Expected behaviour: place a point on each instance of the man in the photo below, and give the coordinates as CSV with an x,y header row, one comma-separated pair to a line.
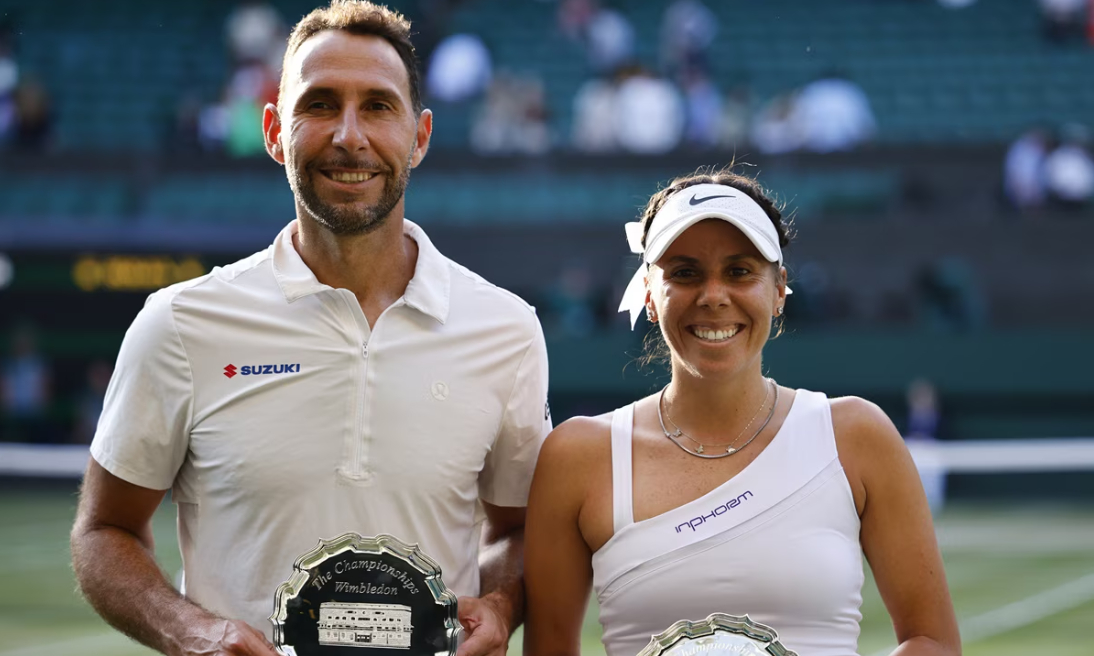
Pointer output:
x,y
349,378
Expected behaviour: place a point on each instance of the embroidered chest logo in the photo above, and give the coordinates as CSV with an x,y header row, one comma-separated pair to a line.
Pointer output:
x,y
439,390
714,514
261,369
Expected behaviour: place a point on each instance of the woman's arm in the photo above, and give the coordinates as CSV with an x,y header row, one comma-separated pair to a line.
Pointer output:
x,y
557,560
897,534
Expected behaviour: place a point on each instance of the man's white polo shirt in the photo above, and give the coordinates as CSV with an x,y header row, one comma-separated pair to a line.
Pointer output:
x,y
278,417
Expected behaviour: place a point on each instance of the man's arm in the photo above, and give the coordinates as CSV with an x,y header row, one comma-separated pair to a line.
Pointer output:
x,y
489,619
113,557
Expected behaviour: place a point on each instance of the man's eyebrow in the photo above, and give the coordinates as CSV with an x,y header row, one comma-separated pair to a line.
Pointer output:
x,y
371,94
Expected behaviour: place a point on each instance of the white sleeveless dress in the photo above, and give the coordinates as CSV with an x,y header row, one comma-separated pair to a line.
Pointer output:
x,y
778,542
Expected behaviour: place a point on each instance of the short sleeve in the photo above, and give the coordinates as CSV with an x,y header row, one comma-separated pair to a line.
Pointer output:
x,y
143,432
507,474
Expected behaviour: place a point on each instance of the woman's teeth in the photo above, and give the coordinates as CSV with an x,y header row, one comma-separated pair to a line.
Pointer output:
x,y
715,335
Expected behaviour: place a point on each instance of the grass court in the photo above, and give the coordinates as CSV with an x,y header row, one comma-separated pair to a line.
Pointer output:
x,y
1022,581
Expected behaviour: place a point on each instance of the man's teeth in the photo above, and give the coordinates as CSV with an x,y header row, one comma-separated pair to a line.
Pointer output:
x,y
715,335
350,176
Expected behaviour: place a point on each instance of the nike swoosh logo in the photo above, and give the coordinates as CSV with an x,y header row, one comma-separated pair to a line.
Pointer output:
x,y
695,200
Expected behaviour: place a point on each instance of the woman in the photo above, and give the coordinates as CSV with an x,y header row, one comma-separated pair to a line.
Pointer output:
x,y
725,492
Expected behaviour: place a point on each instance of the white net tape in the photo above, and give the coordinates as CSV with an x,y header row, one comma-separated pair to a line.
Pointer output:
x,y
984,456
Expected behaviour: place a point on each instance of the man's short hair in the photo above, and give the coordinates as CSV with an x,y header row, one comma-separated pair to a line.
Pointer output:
x,y
362,18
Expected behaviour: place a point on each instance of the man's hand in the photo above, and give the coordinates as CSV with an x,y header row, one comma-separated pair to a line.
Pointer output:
x,y
486,627
226,638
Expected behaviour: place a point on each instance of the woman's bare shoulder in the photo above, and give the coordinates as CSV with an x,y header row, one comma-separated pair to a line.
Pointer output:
x,y
579,437
863,425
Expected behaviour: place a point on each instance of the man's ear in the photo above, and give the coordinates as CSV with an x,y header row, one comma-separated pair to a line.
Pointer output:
x,y
271,132
421,139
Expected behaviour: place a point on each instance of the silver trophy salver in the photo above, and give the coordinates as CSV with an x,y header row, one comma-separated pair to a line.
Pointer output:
x,y
717,635
354,593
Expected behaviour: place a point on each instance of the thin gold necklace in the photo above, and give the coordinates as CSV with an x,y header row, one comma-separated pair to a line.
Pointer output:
x,y
701,447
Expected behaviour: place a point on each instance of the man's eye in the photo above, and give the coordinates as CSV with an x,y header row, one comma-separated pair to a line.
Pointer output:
x,y
379,107
319,104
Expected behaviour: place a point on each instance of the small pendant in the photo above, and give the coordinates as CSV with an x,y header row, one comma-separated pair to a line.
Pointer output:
x,y
700,449
730,450
678,433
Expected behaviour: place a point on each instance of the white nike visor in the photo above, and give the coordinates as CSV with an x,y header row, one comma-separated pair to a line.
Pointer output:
x,y
693,204
684,209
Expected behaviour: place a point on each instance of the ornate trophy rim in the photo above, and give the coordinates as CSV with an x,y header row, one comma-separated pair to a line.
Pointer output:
x,y
378,545
737,624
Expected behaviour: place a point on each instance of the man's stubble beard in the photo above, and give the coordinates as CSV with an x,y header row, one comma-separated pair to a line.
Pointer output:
x,y
346,219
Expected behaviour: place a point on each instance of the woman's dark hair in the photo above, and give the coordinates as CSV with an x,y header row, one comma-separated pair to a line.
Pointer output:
x,y
654,347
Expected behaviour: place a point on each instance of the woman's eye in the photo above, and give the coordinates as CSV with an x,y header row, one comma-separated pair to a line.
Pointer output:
x,y
683,273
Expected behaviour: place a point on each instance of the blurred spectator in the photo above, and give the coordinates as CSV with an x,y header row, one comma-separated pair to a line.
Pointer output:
x,y
687,31
256,35
9,80
735,126
235,124
609,40
1069,170
1064,19
33,116
832,113
594,116
250,88
949,296
460,69
703,107
1090,22
513,119
924,418
25,389
774,130
649,114
1024,170
89,405
574,17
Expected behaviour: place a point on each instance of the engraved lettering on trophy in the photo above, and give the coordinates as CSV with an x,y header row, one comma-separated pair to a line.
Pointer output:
x,y
365,588
356,591
343,624
724,508
747,648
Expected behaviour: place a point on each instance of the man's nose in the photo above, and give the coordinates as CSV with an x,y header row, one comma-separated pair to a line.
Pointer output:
x,y
350,134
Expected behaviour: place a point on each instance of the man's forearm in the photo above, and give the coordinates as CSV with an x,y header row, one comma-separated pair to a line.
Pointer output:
x,y
120,578
501,570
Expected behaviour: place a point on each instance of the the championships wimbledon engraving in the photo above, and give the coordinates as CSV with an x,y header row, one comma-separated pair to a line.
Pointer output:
x,y
353,592
719,634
